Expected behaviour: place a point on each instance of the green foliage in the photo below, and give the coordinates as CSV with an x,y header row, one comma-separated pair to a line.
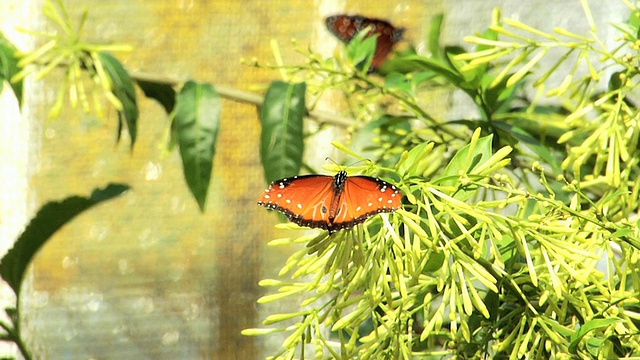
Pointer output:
x,y
80,60
195,128
519,235
9,66
281,116
196,124
161,92
123,89
361,49
49,219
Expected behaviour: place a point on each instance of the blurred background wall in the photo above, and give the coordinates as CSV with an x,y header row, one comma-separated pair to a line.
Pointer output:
x,y
147,276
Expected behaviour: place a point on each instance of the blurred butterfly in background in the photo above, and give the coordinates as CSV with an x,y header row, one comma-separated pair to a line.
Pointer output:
x,y
331,202
346,27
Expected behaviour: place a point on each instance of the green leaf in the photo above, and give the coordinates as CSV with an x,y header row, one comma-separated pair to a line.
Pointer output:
x,y
435,30
589,326
470,157
196,124
396,80
439,67
162,92
615,81
361,50
531,142
387,129
282,144
413,162
51,217
9,66
435,262
122,87
634,22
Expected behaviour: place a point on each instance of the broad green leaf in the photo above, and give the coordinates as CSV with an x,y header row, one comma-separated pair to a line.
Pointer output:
x,y
531,142
435,262
9,66
435,30
397,63
49,219
361,50
396,80
589,326
282,143
413,162
470,157
471,76
439,67
634,22
122,87
196,125
162,92
615,81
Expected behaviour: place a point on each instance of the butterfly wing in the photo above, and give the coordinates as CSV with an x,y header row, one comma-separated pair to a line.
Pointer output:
x,y
363,197
305,200
345,27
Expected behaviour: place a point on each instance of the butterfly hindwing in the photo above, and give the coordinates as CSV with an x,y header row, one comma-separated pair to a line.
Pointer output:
x,y
305,200
363,197
331,202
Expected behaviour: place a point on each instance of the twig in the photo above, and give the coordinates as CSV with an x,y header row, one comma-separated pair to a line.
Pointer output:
x,y
248,98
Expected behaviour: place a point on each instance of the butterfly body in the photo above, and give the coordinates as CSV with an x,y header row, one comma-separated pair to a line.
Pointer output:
x,y
346,27
331,202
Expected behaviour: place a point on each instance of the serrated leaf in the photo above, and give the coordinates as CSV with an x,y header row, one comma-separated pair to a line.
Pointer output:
x,y
161,92
282,144
122,87
51,217
196,124
9,66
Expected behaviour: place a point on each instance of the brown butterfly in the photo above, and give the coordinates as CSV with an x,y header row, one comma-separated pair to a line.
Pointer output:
x,y
346,27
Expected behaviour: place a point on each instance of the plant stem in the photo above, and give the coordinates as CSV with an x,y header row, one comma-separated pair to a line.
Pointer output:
x,y
15,334
247,97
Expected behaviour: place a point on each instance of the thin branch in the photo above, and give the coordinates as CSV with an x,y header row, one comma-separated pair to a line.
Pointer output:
x,y
247,97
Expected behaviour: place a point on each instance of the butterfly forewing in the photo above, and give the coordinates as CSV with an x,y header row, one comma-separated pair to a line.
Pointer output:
x,y
345,27
305,200
331,203
363,197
